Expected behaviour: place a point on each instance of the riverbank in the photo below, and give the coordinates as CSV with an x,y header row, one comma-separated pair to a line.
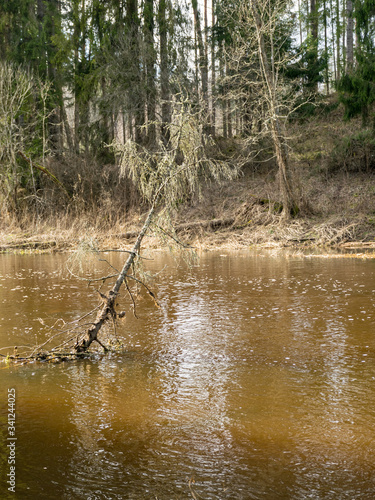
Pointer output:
x,y
338,212
333,168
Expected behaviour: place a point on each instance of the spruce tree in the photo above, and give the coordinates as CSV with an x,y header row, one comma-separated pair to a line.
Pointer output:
x,y
357,87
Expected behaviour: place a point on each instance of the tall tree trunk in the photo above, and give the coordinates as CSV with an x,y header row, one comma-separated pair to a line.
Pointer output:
x,y
349,36
344,36
84,98
123,123
300,22
314,34
338,42
196,61
229,110
223,93
213,72
136,92
164,73
68,131
64,116
357,38
130,125
76,41
314,20
48,18
333,43
205,32
225,117
40,15
326,45
202,54
106,136
206,62
150,57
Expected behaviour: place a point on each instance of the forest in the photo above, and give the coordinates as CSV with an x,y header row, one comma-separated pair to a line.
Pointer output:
x,y
100,99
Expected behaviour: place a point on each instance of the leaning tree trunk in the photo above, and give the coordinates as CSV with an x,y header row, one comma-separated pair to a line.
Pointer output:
x,y
107,310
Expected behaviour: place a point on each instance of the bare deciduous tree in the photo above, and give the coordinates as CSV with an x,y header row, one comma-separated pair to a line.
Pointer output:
x,y
257,59
20,120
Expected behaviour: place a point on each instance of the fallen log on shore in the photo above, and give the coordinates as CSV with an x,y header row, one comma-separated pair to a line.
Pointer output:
x,y
188,226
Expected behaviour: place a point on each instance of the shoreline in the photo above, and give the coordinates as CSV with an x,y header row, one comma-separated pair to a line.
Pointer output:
x,y
297,235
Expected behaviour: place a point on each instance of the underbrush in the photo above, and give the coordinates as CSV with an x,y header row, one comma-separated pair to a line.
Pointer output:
x,y
327,145
354,153
92,196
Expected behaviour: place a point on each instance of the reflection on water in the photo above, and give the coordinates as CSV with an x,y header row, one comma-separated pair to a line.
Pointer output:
x,y
255,380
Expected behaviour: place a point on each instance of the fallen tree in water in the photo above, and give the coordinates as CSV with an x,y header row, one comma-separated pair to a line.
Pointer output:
x,y
164,178
107,310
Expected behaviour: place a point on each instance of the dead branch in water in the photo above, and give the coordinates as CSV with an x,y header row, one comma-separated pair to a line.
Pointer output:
x,y
108,308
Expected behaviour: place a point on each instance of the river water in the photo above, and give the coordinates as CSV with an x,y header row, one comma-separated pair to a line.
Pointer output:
x,y
255,379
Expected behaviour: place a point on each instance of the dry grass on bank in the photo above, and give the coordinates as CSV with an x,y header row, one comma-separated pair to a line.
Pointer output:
x,y
344,212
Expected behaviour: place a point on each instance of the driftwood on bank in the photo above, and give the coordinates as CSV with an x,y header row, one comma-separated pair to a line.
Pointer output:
x,y
29,245
214,224
210,224
189,226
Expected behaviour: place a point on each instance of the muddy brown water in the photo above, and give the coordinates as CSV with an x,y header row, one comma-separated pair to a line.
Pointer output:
x,y
254,380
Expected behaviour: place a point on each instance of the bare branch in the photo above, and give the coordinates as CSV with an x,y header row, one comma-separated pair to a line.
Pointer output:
x,y
147,288
183,245
131,296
